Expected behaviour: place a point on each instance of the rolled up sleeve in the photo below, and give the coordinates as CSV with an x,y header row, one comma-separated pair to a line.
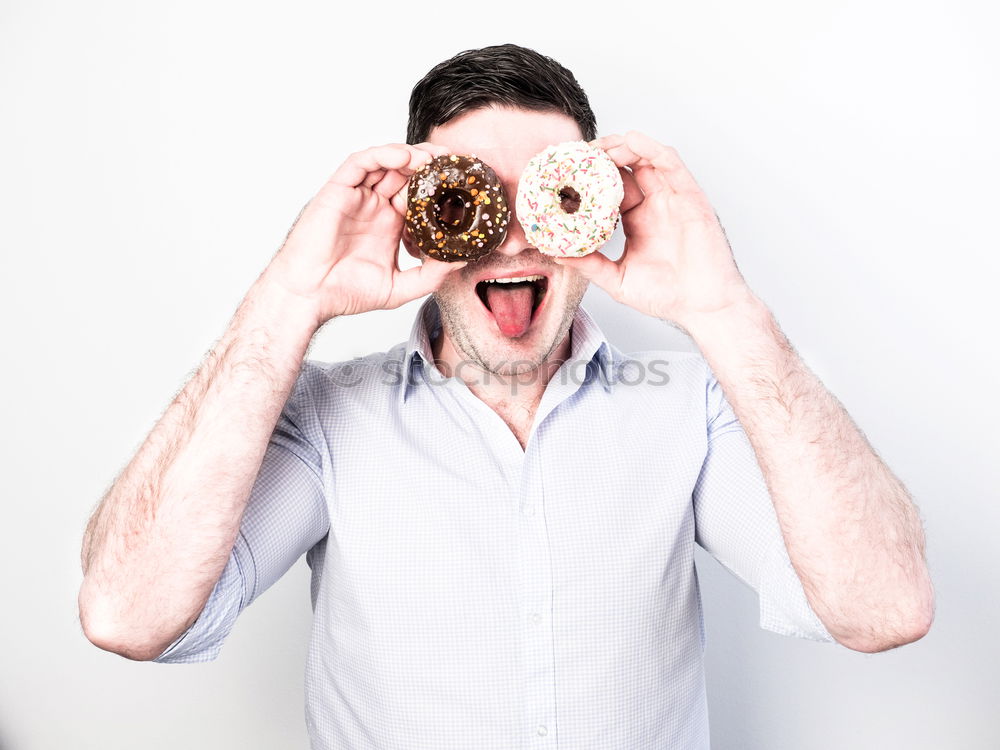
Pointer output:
x,y
286,515
736,523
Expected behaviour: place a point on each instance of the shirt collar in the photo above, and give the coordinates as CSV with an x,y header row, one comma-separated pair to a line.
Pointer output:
x,y
587,343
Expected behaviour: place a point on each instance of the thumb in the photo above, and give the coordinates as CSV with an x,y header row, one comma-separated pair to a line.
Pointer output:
x,y
598,268
416,282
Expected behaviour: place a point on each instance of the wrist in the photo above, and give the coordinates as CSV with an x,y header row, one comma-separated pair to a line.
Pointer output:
x,y
276,306
745,313
273,323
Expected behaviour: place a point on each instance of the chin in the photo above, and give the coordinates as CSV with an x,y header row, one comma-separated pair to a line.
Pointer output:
x,y
476,335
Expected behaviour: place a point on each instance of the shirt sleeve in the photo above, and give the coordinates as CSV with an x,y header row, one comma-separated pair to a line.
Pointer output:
x,y
735,522
285,516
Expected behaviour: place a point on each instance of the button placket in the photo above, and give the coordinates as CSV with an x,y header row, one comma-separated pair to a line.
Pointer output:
x,y
536,571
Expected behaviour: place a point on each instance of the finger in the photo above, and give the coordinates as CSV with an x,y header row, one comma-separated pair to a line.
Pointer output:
x,y
623,156
608,141
432,149
615,143
646,177
355,170
639,151
373,178
649,180
358,166
398,201
598,268
664,159
633,193
391,184
416,282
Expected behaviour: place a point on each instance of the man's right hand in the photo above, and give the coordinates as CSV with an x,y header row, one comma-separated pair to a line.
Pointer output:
x,y
162,535
342,253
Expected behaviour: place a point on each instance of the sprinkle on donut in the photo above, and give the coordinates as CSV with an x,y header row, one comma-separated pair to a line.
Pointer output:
x,y
456,208
568,199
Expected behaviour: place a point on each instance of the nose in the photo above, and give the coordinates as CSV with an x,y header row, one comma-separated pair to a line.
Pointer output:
x,y
515,242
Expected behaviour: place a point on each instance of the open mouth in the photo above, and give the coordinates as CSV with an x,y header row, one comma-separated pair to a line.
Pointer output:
x,y
513,302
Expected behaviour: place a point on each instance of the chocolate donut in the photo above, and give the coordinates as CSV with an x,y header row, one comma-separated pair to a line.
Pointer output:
x,y
456,209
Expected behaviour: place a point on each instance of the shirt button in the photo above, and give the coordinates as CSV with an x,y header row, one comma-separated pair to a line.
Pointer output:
x,y
536,618
542,731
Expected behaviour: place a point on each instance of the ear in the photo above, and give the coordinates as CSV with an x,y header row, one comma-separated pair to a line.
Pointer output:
x,y
408,243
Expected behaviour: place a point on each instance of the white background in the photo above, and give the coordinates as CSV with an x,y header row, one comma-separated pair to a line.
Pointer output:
x,y
153,157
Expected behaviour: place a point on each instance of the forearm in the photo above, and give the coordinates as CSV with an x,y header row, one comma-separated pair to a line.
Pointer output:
x,y
162,535
850,527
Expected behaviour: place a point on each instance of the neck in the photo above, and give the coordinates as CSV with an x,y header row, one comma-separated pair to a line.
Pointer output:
x,y
504,393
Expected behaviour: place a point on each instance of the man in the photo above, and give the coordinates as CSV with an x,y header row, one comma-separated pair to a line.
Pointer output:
x,y
501,529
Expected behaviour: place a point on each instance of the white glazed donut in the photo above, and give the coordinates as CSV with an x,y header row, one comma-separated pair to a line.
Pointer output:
x,y
568,199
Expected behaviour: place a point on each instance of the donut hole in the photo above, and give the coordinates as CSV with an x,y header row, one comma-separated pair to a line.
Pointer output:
x,y
451,211
569,199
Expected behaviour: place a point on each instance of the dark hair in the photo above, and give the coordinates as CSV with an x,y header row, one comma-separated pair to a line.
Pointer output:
x,y
505,74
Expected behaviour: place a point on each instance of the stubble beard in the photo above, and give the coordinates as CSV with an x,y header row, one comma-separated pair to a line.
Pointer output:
x,y
497,359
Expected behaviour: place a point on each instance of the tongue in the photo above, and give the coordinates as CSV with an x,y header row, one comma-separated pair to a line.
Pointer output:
x,y
511,306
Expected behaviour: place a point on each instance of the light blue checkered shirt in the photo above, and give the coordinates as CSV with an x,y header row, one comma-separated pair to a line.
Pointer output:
x,y
469,594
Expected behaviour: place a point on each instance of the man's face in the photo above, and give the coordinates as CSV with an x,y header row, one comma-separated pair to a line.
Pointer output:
x,y
506,139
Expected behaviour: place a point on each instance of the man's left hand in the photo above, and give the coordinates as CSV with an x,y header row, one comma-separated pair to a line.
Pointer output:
x,y
677,264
